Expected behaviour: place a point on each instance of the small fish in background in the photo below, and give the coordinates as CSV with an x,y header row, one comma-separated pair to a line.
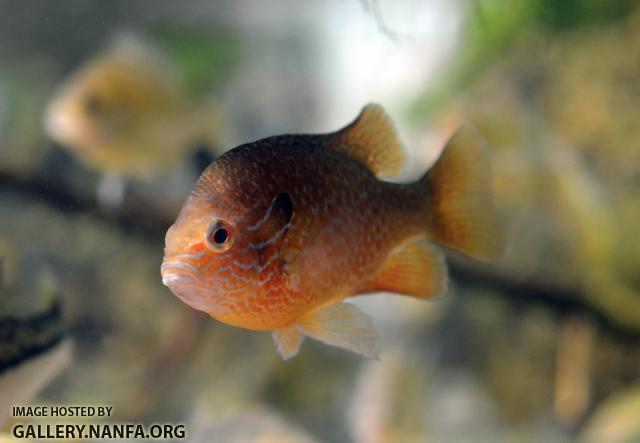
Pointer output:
x,y
127,113
276,233
33,345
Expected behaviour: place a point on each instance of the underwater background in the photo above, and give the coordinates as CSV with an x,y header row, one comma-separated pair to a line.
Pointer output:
x,y
543,345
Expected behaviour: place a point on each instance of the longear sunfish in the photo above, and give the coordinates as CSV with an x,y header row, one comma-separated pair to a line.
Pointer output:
x,y
127,111
276,233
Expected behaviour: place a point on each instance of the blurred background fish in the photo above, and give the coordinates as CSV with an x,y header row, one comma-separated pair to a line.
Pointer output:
x,y
127,111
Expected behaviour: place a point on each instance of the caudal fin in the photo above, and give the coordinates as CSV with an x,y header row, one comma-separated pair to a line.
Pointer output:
x,y
460,203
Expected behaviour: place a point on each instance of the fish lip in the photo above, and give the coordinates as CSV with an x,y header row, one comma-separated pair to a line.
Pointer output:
x,y
58,124
72,135
178,271
170,280
186,282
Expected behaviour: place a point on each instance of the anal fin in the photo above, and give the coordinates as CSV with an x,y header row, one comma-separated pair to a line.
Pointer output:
x,y
415,268
288,341
342,325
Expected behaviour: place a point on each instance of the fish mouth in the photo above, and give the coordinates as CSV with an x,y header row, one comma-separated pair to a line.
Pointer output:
x,y
186,282
178,271
69,131
59,124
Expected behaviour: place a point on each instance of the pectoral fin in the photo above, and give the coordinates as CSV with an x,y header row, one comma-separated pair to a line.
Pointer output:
x,y
342,325
415,268
288,341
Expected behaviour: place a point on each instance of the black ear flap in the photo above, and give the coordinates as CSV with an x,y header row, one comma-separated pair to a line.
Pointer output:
x,y
277,219
283,205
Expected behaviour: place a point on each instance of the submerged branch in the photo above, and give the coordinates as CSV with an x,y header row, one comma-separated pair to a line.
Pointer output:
x,y
61,198
561,300
564,301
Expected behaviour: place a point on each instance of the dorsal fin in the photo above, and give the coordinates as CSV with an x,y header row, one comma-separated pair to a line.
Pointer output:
x,y
140,52
372,140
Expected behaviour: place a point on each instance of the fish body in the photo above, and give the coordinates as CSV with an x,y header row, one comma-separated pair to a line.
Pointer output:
x,y
276,233
127,111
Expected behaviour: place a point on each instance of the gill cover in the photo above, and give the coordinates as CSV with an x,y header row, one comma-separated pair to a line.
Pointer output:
x,y
269,231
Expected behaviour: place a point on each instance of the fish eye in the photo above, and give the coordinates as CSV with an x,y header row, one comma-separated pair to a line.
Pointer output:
x,y
92,104
219,236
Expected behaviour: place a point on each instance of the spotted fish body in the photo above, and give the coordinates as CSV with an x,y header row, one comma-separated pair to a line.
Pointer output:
x,y
278,232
